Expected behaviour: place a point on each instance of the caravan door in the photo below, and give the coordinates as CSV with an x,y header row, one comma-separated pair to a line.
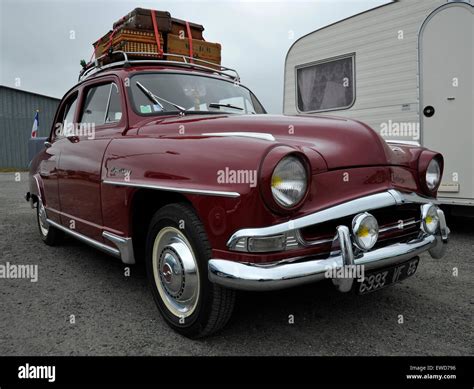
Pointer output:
x,y
446,96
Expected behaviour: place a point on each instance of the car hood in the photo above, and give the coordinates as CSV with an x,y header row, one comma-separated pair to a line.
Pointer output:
x,y
341,142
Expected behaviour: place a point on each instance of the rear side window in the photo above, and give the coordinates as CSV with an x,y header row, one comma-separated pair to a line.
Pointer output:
x,y
102,105
68,122
326,85
64,125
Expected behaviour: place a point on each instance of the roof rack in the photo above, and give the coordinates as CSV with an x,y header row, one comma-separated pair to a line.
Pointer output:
x,y
187,62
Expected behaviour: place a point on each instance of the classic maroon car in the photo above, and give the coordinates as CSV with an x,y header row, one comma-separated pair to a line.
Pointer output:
x,y
179,165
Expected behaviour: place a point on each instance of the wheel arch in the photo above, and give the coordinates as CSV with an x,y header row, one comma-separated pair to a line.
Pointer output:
x,y
36,189
144,204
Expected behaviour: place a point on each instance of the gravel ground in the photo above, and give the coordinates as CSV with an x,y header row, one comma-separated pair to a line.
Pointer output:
x,y
116,315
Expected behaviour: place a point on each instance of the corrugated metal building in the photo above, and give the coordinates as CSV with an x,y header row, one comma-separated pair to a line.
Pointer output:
x,y
17,112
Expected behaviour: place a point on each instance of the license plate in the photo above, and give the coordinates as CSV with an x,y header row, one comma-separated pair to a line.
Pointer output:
x,y
379,279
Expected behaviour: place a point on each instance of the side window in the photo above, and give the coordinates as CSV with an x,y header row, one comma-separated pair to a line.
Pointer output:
x,y
102,105
65,124
114,113
326,85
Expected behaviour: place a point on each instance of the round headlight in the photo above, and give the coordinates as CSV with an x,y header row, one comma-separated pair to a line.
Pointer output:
x,y
429,218
366,231
433,175
289,182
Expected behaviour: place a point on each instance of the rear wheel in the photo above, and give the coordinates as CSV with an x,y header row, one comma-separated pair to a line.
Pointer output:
x,y
49,234
177,254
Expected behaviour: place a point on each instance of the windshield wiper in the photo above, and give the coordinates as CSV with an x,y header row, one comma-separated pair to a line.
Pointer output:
x,y
156,99
217,105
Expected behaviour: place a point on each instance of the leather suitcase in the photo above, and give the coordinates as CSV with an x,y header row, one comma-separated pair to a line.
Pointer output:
x,y
140,19
201,49
178,27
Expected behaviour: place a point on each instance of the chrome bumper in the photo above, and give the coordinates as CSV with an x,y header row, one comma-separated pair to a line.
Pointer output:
x,y
245,276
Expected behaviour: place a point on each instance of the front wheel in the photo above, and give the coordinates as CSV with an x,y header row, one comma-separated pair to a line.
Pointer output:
x,y
177,253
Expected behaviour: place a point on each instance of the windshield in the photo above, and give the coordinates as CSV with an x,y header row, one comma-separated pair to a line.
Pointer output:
x,y
171,91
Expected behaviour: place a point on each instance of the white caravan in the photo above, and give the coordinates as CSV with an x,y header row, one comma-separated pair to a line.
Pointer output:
x,y
404,68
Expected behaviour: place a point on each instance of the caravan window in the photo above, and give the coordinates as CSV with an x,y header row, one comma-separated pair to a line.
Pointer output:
x,y
326,85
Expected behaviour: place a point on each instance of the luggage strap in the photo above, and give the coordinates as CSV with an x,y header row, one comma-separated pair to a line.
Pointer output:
x,y
157,35
109,45
190,38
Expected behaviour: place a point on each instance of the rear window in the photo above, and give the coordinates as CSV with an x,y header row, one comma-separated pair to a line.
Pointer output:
x,y
326,85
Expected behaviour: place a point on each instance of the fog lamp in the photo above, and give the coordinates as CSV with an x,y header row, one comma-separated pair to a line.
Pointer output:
x,y
365,230
429,218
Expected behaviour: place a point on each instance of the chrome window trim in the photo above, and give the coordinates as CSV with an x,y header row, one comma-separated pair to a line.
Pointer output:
x,y
108,103
112,84
136,184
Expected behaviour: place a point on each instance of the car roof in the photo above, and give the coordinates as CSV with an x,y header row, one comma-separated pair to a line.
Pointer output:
x,y
127,69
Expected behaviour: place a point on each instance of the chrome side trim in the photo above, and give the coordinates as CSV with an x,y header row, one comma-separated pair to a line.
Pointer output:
x,y
310,243
403,142
87,240
125,246
362,204
411,198
243,276
136,184
257,135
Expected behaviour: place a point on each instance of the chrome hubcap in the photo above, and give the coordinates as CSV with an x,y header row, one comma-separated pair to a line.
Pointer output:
x,y
175,272
43,220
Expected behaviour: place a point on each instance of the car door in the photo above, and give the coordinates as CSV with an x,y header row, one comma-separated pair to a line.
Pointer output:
x,y
98,121
48,169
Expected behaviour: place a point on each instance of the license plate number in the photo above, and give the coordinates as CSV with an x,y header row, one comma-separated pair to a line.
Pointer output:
x,y
379,279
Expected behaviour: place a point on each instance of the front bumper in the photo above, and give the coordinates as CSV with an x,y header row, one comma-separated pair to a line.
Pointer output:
x,y
246,276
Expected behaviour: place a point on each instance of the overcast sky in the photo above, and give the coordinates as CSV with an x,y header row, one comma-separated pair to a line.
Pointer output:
x,y
36,46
